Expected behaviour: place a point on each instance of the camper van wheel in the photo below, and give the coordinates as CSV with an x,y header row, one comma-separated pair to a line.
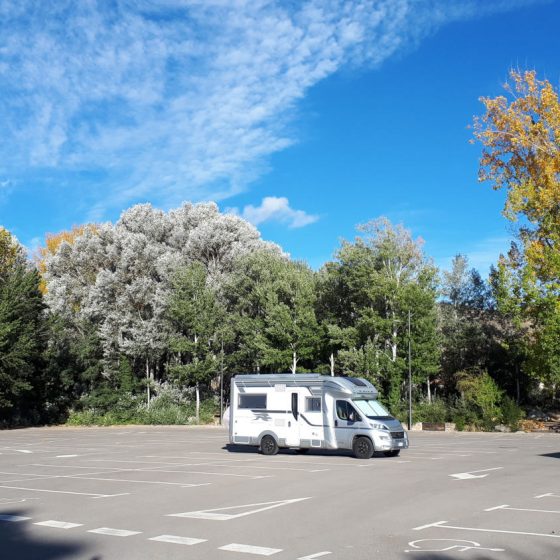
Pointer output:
x,y
362,448
269,446
393,453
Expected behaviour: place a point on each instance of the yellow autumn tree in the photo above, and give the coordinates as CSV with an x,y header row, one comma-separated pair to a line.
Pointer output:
x,y
52,242
520,133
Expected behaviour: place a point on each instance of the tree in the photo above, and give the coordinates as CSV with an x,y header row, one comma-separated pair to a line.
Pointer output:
x,y
271,300
197,318
466,321
378,279
22,335
521,153
118,277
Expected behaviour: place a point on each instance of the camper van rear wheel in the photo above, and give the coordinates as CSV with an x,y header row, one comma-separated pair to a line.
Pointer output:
x,y
362,448
393,453
269,446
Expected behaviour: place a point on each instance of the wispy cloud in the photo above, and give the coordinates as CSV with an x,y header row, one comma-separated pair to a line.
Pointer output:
x,y
481,255
182,99
277,209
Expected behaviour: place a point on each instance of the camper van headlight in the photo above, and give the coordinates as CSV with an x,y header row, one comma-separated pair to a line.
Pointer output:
x,y
376,426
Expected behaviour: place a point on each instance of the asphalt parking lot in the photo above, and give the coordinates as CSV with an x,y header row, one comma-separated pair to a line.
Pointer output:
x,y
176,492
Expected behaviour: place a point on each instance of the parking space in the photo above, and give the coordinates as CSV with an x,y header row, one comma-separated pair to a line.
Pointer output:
x,y
176,492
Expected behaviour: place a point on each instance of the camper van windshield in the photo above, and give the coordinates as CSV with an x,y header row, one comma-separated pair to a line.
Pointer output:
x,y
371,408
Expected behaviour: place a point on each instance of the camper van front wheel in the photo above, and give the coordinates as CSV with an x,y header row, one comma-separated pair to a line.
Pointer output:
x,y
362,448
269,446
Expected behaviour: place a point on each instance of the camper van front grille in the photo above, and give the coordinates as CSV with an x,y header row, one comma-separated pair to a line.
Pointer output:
x,y
397,435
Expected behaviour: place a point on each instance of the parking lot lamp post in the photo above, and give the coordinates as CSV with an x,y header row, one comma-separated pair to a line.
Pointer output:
x,y
409,377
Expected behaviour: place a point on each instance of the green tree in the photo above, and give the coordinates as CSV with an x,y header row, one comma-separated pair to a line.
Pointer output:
x,y
378,279
22,336
197,318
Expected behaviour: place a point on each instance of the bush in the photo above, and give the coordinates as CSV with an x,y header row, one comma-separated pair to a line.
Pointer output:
x,y
512,414
160,412
436,411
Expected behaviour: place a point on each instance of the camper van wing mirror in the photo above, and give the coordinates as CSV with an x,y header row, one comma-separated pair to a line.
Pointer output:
x,y
295,411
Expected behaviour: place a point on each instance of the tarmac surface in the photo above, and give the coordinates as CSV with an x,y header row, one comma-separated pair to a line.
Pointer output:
x,y
179,492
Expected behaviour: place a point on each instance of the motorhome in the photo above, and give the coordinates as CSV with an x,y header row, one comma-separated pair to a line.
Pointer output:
x,y
311,411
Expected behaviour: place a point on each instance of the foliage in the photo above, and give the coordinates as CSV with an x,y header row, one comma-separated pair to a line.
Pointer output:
x,y
521,139
378,280
481,392
22,337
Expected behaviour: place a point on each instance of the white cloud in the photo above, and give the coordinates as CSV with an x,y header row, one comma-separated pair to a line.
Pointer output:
x,y
481,255
277,209
182,99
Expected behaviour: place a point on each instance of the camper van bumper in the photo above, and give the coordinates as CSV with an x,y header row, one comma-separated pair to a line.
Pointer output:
x,y
385,441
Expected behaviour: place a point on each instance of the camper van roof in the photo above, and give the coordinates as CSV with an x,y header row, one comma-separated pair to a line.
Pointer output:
x,y
348,385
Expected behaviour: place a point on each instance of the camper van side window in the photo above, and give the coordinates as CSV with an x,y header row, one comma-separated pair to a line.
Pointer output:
x,y
313,404
252,401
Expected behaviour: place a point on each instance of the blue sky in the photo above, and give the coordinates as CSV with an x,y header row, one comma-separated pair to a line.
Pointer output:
x,y
306,118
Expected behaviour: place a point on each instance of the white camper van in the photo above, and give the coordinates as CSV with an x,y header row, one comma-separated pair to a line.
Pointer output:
x,y
311,411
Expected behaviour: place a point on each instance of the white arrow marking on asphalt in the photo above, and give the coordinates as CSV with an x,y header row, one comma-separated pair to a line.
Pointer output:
x,y
469,475
211,515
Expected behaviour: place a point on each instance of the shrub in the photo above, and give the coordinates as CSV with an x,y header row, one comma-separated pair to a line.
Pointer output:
x,y
512,414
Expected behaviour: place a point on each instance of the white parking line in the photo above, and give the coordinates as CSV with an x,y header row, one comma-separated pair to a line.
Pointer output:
x,y
313,556
211,514
64,492
177,540
58,524
181,484
549,495
114,532
440,525
13,518
507,507
248,549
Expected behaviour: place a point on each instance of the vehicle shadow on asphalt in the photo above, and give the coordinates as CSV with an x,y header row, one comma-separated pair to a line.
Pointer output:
x,y
17,542
553,455
252,450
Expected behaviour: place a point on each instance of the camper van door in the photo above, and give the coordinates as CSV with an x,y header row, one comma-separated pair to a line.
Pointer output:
x,y
292,433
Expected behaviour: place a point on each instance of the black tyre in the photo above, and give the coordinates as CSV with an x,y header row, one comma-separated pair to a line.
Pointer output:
x,y
268,446
393,453
362,448
303,450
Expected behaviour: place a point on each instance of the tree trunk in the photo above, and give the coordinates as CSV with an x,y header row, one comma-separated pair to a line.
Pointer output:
x,y
294,361
332,363
148,388
429,389
197,404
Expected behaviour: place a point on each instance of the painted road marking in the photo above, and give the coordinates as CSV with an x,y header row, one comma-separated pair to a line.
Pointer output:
x,y
507,507
181,484
471,545
549,495
469,475
211,515
114,532
177,540
58,524
64,492
440,525
23,451
248,549
313,556
13,518
65,456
